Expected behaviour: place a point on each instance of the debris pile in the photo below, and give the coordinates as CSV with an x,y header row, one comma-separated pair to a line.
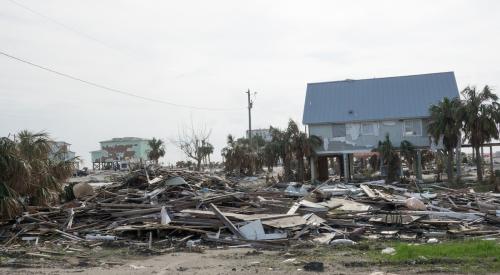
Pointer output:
x,y
168,209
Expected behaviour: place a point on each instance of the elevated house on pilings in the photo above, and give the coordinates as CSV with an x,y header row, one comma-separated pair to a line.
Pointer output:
x,y
119,153
352,116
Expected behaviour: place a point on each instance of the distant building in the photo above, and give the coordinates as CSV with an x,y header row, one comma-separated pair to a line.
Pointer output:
x,y
264,133
352,116
118,153
60,151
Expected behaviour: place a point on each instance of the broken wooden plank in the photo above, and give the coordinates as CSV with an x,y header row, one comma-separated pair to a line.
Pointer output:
x,y
226,221
368,191
293,209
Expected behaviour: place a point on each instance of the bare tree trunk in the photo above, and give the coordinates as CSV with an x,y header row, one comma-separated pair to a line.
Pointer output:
x,y
198,164
459,158
449,168
479,164
300,169
287,166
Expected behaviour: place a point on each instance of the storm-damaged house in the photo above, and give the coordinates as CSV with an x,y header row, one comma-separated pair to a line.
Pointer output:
x,y
352,116
60,151
119,153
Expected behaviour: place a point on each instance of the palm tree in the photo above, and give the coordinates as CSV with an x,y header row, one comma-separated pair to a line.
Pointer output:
x,y
157,149
14,174
281,139
241,157
270,155
389,157
28,171
407,151
446,123
302,146
206,150
481,116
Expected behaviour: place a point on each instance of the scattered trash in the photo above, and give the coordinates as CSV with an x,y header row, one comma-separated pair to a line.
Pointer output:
x,y
100,238
287,261
166,209
296,189
137,266
82,189
193,243
415,204
314,266
432,240
338,242
388,250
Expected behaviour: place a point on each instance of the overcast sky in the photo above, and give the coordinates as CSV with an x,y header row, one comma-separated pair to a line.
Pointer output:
x,y
208,53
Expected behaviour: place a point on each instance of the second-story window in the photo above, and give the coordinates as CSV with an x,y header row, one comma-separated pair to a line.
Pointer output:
x,y
369,129
338,130
412,127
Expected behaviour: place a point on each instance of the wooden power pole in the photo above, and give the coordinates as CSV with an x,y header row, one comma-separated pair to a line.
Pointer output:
x,y
250,105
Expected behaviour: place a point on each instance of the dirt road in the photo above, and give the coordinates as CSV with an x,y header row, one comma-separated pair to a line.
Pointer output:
x,y
229,261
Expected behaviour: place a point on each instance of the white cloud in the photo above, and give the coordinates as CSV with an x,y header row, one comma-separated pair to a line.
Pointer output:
x,y
207,53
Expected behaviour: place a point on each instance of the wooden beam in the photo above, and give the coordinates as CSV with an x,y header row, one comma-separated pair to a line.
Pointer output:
x,y
226,221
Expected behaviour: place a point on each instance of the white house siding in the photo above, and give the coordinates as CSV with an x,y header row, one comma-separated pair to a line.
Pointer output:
x,y
356,141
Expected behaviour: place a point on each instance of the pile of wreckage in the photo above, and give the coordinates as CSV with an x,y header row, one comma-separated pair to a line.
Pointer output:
x,y
169,209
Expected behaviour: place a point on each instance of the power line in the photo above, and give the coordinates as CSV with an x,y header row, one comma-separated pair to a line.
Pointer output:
x,y
76,31
113,89
67,27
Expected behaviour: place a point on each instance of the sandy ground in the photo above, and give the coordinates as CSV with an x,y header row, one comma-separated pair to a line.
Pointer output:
x,y
228,261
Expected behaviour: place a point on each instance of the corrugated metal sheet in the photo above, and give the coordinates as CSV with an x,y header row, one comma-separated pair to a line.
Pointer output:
x,y
377,98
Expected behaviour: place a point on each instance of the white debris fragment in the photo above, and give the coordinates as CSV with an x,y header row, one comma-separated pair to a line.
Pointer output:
x,y
342,242
415,204
165,219
388,250
287,261
432,240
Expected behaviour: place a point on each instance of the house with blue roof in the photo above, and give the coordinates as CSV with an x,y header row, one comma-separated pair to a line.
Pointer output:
x,y
352,116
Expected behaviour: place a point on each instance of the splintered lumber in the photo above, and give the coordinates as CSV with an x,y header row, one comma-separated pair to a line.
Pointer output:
x,y
69,236
136,212
368,191
126,205
212,208
158,227
70,219
39,255
348,205
226,221
293,209
234,216
285,222
453,215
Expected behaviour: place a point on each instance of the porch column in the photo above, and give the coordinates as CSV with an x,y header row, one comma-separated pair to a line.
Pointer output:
x,y
347,173
419,165
351,166
322,168
314,167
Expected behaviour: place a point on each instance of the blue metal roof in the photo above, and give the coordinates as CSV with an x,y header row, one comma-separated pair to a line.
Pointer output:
x,y
377,98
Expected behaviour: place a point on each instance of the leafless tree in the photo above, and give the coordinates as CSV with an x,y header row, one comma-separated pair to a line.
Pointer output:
x,y
193,143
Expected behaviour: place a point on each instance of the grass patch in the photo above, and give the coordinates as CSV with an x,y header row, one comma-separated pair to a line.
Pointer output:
x,y
452,250
479,256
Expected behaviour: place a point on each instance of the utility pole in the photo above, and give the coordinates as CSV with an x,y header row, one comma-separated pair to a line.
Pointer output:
x,y
250,105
